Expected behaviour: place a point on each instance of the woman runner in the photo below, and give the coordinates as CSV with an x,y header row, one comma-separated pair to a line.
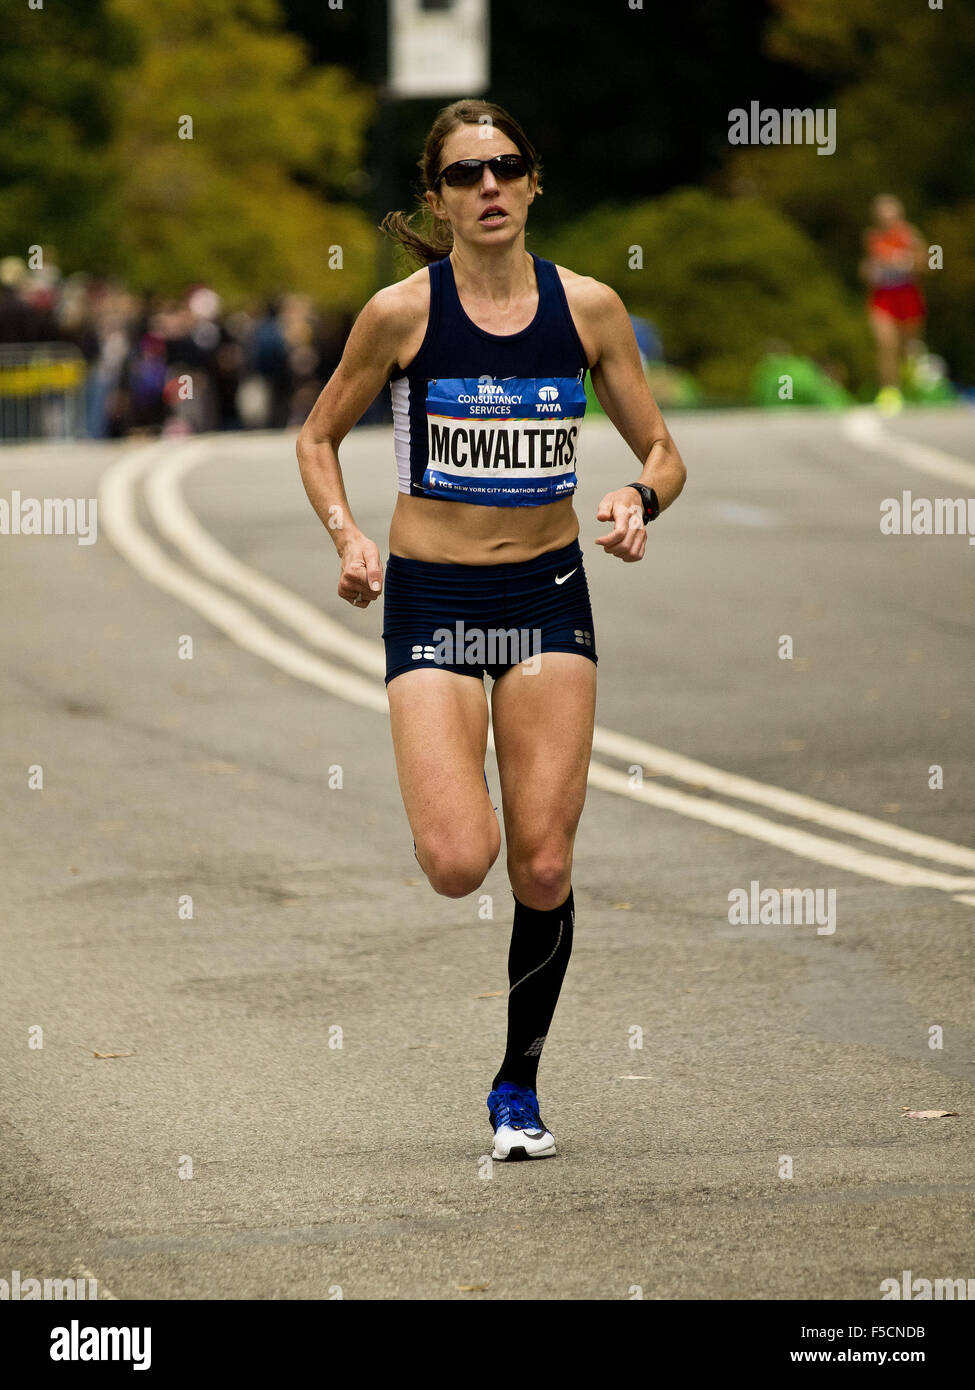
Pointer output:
x,y
486,349
894,254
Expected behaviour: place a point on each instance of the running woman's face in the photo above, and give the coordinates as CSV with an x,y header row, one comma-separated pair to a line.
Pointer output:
x,y
471,210
887,210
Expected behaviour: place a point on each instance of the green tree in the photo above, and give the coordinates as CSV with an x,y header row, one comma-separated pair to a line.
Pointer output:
x,y
255,199
724,281
901,79
57,115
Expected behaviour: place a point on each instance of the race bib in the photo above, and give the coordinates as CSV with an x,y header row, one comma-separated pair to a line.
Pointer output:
x,y
508,442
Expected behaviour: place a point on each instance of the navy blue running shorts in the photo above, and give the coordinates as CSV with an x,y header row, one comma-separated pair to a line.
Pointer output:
x,y
477,618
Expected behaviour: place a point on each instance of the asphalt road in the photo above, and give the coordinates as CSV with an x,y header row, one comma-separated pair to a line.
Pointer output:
x,y
360,1168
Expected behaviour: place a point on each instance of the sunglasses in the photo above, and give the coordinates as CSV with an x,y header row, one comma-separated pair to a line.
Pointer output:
x,y
467,172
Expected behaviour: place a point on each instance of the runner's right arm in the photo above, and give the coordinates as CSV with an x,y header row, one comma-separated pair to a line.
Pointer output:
x,y
369,356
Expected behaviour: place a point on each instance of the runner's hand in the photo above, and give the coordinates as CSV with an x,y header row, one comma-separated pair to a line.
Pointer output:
x,y
628,538
361,579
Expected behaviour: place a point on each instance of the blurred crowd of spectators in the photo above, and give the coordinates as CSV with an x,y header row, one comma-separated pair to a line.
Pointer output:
x,y
165,365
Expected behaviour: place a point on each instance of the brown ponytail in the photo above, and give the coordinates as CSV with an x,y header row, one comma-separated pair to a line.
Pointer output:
x,y
432,238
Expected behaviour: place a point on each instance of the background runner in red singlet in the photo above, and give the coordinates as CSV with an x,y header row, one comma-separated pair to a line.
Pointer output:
x,y
895,253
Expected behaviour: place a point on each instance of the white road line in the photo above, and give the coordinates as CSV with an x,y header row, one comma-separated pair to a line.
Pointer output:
x,y
118,516
117,506
800,842
864,428
795,804
180,526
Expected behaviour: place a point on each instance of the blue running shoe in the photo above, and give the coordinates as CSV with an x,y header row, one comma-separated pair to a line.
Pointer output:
x,y
519,1131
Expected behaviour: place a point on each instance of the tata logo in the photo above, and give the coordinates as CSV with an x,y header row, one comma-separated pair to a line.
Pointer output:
x,y
548,393
486,388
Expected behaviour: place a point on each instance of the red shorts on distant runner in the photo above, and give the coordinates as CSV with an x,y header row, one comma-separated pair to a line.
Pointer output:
x,y
902,302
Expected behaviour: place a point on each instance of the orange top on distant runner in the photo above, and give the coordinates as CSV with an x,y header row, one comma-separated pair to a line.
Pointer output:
x,y
894,290
889,244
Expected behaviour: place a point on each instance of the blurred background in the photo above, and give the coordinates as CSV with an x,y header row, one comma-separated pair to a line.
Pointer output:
x,y
190,193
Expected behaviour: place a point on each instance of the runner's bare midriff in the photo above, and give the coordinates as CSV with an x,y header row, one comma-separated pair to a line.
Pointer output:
x,y
461,533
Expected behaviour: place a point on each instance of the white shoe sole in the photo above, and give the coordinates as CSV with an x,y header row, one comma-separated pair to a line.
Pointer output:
x,y
517,1152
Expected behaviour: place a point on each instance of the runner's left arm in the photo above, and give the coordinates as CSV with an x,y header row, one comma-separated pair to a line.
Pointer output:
x,y
622,391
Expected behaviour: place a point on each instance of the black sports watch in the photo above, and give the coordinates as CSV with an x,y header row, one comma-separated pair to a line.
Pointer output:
x,y
651,507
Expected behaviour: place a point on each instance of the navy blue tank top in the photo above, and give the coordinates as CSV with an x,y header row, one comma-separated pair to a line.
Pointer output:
x,y
491,418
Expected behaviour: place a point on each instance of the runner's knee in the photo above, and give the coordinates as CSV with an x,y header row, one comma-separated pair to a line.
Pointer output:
x,y
455,870
541,879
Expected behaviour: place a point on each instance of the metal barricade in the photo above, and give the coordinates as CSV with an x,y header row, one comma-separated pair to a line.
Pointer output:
x,y
41,392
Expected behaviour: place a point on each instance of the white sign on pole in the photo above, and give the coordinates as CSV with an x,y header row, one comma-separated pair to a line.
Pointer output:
x,y
438,48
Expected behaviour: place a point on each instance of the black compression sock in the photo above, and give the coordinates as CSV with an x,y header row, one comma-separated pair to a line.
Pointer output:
x,y
541,943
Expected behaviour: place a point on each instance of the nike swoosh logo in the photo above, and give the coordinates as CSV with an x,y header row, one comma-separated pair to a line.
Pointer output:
x,y
561,578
